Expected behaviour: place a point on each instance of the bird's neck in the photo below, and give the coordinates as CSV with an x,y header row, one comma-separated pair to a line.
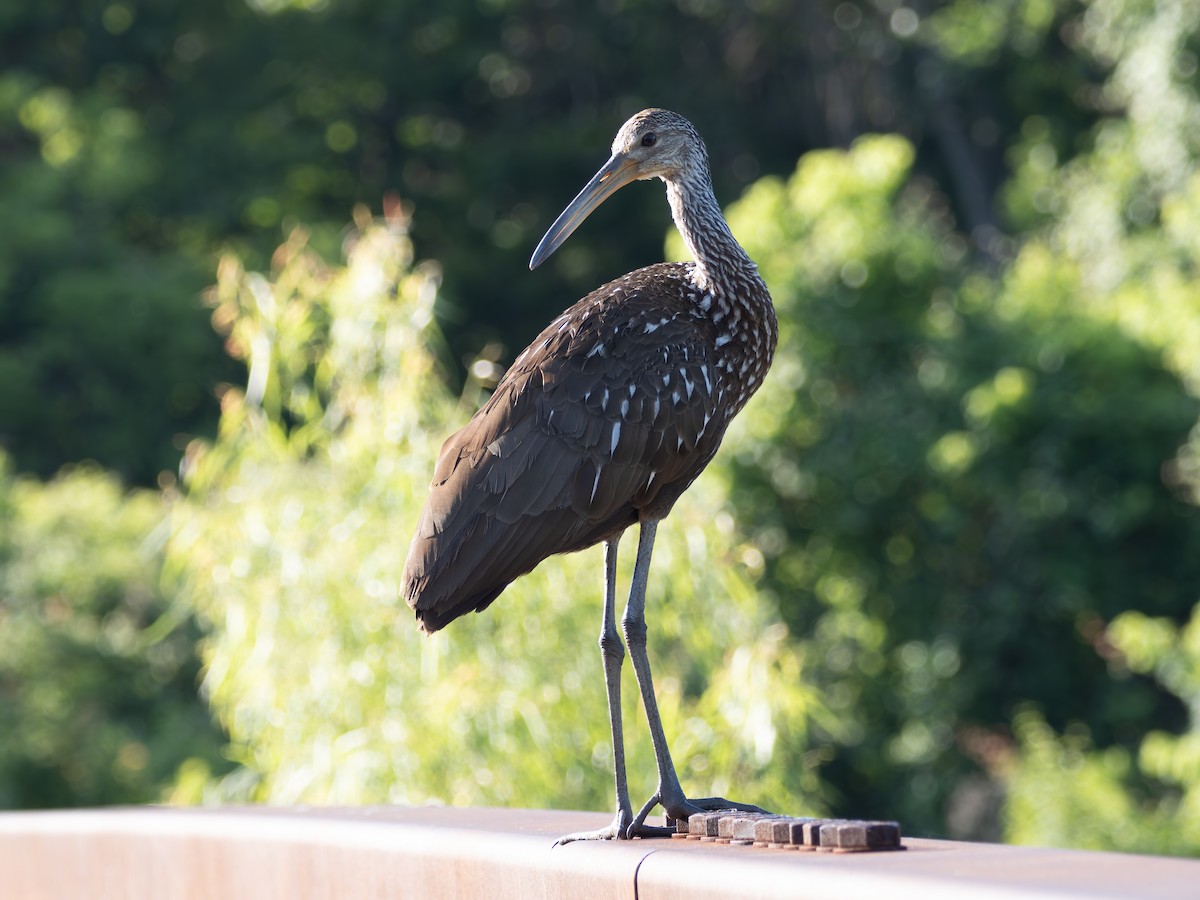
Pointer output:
x,y
719,258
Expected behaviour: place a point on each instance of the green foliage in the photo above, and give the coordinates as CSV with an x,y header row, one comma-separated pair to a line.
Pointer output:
x,y
291,544
97,673
141,139
976,32
1149,803
1123,235
105,350
970,477
1063,793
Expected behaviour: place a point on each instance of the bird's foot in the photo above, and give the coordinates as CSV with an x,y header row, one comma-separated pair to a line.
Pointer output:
x,y
677,807
622,828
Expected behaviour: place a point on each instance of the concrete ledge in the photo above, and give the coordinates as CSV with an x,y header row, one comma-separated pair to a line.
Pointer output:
x,y
153,853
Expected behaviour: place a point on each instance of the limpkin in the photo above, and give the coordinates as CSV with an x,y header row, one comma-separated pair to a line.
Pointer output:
x,y
602,422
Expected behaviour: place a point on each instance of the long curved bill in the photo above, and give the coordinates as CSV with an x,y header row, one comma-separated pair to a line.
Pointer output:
x,y
613,175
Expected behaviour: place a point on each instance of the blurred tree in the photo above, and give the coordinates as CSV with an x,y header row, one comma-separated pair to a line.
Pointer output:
x,y
98,673
1142,802
1011,449
971,487
140,138
1120,247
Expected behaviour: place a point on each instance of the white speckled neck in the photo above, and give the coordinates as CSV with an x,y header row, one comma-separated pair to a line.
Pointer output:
x,y
704,229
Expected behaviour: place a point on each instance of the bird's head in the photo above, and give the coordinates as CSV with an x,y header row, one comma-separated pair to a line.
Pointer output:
x,y
655,143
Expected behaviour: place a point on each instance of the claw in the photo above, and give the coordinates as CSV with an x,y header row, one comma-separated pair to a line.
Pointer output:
x,y
640,819
609,833
620,829
679,808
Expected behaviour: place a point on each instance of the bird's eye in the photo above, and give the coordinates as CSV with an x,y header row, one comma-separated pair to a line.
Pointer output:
x,y
649,139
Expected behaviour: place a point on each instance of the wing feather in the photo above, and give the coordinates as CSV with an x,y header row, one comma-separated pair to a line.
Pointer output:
x,y
607,417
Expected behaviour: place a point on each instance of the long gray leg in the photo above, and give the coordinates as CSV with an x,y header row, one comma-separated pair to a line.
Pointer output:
x,y
669,793
612,652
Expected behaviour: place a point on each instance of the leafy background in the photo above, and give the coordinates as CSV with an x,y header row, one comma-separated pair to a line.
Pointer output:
x,y
945,570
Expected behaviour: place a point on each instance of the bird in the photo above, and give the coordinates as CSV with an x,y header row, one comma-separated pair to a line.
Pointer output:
x,y
601,423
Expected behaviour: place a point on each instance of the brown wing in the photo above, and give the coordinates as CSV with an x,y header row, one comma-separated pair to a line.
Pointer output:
x,y
606,418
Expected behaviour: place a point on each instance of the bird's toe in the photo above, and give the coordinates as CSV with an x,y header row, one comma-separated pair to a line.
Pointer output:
x,y
622,828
